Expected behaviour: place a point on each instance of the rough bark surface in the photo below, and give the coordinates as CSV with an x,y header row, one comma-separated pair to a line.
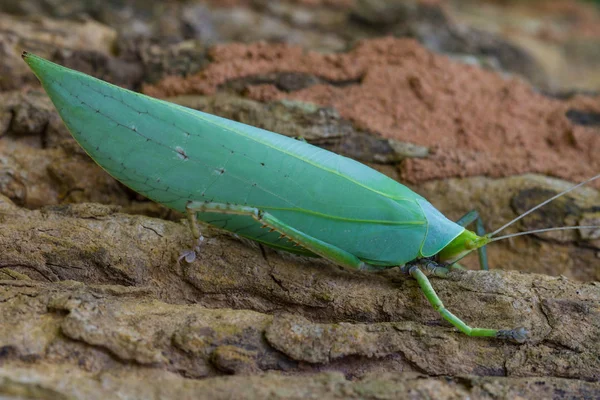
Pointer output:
x,y
99,289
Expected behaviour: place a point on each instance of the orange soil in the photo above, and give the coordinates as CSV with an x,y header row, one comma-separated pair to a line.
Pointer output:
x,y
474,121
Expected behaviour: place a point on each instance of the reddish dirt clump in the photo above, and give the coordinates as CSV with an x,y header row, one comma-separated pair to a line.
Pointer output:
x,y
474,121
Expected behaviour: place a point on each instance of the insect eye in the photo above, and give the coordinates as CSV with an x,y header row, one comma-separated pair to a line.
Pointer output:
x,y
470,245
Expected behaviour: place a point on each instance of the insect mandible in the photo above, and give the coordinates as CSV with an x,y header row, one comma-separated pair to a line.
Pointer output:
x,y
270,188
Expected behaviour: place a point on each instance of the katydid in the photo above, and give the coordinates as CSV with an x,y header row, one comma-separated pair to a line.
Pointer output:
x,y
270,188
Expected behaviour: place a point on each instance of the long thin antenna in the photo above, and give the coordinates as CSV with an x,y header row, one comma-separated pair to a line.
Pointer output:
x,y
562,228
541,205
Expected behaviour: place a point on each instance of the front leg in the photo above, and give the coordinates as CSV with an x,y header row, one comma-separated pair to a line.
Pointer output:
x,y
467,219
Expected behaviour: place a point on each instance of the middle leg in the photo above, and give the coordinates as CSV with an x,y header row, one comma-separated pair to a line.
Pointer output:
x,y
415,270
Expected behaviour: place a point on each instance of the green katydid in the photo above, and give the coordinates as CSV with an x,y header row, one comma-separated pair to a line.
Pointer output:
x,y
244,179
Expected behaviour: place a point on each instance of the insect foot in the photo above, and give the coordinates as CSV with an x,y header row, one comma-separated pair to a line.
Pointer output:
x,y
190,255
518,335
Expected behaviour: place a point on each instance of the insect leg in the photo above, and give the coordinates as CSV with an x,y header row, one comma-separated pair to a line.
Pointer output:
x,y
320,248
518,335
465,220
190,255
193,222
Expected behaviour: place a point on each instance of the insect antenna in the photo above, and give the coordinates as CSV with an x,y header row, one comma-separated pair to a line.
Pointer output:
x,y
491,238
561,228
491,235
